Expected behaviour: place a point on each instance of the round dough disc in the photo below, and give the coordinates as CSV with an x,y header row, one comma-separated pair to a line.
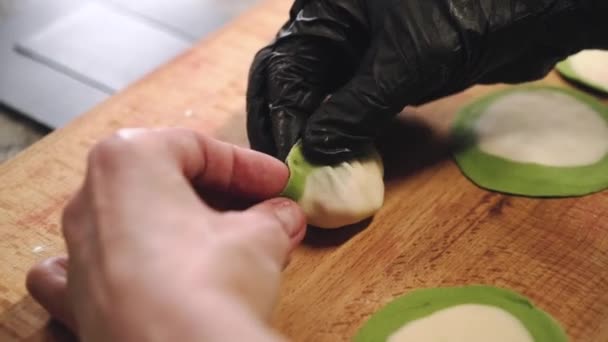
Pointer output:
x,y
534,141
471,314
588,67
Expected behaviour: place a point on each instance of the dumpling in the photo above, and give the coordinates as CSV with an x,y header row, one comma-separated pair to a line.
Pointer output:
x,y
334,196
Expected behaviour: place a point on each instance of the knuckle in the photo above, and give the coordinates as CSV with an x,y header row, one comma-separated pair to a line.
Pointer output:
x,y
106,150
255,222
68,220
270,228
190,136
262,220
121,147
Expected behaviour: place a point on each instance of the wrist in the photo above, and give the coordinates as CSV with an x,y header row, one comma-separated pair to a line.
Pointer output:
x,y
205,316
227,319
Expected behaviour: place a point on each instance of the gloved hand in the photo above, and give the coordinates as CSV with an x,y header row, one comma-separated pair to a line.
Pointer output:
x,y
340,69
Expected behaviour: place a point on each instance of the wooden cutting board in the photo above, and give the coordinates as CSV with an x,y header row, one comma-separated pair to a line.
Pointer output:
x,y
436,228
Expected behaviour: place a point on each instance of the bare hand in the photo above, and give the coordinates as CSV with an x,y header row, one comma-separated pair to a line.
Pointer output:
x,y
152,257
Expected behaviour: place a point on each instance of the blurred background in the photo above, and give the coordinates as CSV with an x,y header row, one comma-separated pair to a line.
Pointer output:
x,y
59,58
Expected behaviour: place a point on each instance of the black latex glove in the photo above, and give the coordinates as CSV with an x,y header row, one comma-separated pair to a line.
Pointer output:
x,y
377,56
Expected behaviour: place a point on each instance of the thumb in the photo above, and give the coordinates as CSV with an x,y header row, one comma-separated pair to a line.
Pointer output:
x,y
47,284
278,225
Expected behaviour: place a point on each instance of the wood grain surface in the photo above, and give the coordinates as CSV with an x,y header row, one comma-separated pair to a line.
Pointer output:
x,y
436,228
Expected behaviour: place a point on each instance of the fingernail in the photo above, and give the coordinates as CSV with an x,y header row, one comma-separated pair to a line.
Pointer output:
x,y
289,214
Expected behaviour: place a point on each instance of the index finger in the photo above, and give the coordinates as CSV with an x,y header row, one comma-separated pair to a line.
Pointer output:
x,y
173,158
288,81
315,52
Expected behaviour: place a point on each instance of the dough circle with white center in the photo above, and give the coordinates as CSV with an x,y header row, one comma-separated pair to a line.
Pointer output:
x,y
461,314
534,141
484,323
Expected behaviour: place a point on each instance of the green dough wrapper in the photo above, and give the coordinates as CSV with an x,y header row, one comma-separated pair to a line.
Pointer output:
x,y
526,179
565,69
423,303
299,169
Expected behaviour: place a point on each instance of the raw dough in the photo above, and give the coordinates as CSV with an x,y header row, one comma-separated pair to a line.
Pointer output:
x,y
465,323
534,141
543,127
461,314
588,67
339,195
